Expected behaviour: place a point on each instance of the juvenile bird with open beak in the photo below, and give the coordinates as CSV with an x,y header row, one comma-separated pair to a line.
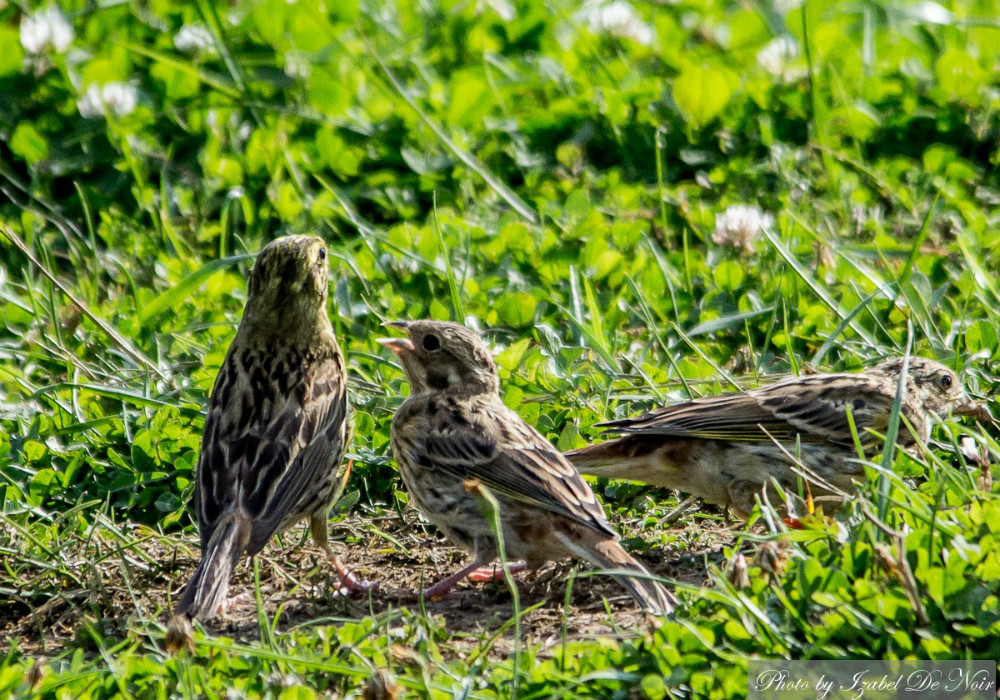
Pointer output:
x,y
454,431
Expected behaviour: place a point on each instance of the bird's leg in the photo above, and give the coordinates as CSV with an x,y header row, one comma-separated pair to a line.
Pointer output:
x,y
348,582
495,573
441,587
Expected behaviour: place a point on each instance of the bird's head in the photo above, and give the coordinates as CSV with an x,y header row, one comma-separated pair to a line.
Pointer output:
x,y
288,284
936,387
443,356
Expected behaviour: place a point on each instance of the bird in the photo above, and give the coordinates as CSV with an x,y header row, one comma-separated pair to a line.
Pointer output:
x,y
453,437
727,448
277,423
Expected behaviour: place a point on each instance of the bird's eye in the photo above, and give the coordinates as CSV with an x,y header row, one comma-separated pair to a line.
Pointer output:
x,y
431,342
945,381
322,253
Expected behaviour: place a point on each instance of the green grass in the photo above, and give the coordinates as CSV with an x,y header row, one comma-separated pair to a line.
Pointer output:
x,y
512,166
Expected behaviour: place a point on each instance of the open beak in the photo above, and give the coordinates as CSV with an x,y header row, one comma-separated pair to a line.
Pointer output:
x,y
397,345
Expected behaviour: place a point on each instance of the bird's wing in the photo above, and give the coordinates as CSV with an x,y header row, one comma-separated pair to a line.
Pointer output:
x,y
811,409
497,448
266,441
325,417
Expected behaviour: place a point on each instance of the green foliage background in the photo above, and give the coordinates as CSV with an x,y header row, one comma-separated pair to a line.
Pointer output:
x,y
556,179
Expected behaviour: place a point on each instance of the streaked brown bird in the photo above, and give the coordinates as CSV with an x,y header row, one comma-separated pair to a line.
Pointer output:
x,y
454,430
727,448
277,425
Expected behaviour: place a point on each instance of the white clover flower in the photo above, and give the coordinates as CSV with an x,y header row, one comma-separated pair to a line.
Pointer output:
x,y
46,28
119,98
777,57
616,18
90,104
194,38
297,65
740,226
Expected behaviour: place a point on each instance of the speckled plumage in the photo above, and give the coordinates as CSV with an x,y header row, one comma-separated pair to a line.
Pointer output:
x,y
277,425
722,448
454,430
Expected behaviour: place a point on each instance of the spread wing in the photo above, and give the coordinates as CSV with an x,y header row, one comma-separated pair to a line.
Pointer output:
x,y
268,439
493,445
810,408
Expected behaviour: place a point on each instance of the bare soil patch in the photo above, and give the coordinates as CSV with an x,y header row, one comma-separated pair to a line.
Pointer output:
x,y
132,576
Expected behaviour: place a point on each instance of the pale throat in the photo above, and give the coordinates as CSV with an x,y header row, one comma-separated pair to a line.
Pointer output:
x,y
290,318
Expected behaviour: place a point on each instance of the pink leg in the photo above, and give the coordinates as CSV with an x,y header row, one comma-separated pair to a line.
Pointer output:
x,y
442,587
495,573
475,571
349,583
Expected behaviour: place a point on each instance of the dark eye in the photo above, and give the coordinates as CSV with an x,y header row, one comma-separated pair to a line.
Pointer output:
x,y
431,342
945,381
322,253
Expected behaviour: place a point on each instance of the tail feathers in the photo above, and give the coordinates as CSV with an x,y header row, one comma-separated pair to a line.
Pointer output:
x,y
207,589
599,459
649,593
631,458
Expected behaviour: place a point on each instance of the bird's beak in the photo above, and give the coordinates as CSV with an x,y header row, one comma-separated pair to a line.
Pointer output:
x,y
397,345
973,408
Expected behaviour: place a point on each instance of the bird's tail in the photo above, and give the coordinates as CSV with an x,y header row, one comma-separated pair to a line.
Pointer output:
x,y
207,589
649,593
599,459
630,457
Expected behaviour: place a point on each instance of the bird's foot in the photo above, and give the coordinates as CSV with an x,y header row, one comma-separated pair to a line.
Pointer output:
x,y
495,573
229,603
475,571
439,589
350,584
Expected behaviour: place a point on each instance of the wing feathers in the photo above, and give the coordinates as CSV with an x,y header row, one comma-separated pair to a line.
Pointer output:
x,y
520,465
810,409
262,456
